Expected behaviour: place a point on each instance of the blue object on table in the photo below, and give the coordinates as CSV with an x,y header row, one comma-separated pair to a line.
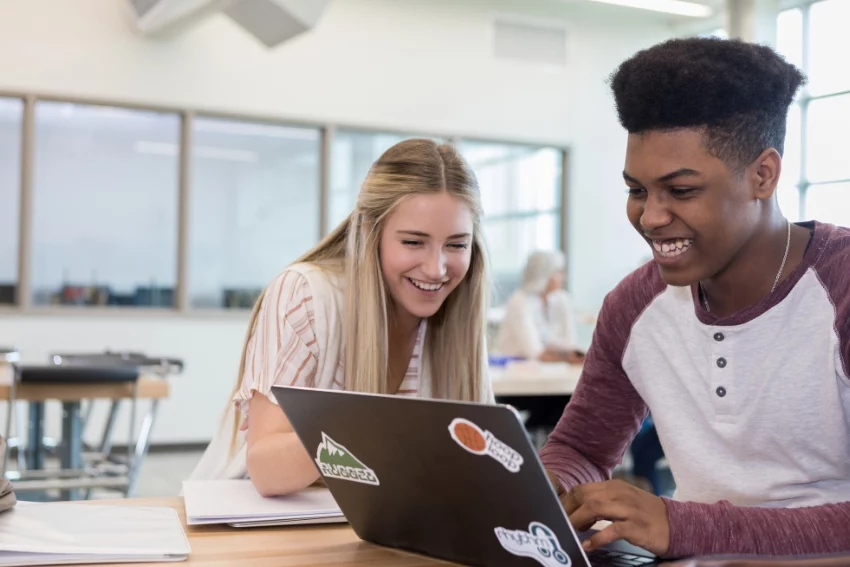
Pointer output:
x,y
502,360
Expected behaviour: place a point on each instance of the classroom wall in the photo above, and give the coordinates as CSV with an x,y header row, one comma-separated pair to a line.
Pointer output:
x,y
414,65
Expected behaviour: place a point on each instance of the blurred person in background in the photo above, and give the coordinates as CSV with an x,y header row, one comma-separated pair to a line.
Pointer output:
x,y
539,321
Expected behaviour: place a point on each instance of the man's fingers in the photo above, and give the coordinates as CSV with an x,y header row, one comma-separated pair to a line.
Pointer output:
x,y
603,537
597,496
596,508
583,518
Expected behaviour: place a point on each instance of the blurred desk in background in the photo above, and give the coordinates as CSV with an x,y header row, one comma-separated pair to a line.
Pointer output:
x,y
150,387
538,390
77,470
534,379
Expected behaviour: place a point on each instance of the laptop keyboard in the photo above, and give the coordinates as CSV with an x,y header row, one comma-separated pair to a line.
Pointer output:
x,y
607,558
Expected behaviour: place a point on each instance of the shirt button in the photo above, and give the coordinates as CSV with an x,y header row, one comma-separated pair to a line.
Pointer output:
x,y
721,362
721,391
718,337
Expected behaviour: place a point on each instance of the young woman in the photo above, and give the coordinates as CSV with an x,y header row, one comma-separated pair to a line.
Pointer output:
x,y
539,321
393,301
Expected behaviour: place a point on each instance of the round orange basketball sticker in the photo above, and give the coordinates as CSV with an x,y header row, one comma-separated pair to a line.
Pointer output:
x,y
479,442
468,435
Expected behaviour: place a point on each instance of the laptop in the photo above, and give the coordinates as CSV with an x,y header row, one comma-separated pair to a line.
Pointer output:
x,y
451,480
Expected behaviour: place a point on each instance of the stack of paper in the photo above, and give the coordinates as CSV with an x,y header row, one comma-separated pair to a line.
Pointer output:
x,y
237,503
62,533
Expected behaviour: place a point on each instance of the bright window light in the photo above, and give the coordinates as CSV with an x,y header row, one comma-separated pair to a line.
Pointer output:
x,y
678,7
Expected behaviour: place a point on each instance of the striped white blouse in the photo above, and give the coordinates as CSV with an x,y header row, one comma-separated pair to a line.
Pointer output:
x,y
284,351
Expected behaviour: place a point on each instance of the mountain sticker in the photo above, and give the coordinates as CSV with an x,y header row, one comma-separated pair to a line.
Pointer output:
x,y
335,461
478,442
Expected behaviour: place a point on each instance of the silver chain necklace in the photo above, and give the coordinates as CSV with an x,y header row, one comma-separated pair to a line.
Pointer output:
x,y
778,274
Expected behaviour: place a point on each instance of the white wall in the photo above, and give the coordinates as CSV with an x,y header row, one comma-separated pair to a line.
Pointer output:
x,y
603,245
412,65
210,349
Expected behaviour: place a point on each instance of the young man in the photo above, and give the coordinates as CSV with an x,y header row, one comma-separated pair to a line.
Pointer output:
x,y
736,337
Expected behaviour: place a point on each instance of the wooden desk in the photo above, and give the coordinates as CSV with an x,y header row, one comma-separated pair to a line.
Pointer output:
x,y
150,387
327,546
338,546
535,379
837,560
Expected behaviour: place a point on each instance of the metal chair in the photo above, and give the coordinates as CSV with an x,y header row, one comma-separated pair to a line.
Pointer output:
x,y
159,366
11,357
84,467
74,473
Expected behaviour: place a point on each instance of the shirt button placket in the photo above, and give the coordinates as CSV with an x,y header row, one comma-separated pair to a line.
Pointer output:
x,y
721,362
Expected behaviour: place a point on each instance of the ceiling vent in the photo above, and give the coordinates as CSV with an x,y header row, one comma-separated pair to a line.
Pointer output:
x,y
271,22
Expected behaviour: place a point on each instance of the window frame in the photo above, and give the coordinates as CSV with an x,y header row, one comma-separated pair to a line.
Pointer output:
x,y
803,101
560,210
24,200
182,304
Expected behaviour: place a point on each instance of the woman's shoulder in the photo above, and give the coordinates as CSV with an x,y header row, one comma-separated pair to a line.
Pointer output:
x,y
317,279
319,289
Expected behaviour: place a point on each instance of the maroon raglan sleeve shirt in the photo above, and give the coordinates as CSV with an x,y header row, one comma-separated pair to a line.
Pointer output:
x,y
752,410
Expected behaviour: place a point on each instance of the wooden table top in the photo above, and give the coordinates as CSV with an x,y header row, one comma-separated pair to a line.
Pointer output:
x,y
150,387
535,379
327,546
336,545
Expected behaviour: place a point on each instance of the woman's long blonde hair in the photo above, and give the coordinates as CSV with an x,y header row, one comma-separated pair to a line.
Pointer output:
x,y
455,340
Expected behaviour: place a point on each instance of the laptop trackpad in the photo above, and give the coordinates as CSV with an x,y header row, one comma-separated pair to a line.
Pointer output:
x,y
621,546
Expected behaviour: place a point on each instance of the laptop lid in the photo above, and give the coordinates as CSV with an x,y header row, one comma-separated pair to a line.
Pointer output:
x,y
452,480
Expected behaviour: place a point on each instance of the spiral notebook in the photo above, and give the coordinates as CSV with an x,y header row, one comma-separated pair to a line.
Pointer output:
x,y
61,533
237,503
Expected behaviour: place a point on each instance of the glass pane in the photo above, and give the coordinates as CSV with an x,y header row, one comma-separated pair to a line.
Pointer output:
x,y
829,43
104,206
789,202
353,154
11,117
828,146
254,207
515,178
510,241
792,156
789,36
829,203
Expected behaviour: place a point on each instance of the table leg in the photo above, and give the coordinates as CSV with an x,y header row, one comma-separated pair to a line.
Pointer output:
x,y
106,439
35,436
71,453
141,451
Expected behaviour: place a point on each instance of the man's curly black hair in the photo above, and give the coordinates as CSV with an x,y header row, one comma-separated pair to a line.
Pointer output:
x,y
737,92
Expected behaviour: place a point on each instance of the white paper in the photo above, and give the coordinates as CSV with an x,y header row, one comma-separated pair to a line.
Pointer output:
x,y
59,532
289,522
238,502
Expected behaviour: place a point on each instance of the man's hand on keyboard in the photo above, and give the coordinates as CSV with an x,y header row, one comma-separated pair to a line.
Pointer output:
x,y
635,515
